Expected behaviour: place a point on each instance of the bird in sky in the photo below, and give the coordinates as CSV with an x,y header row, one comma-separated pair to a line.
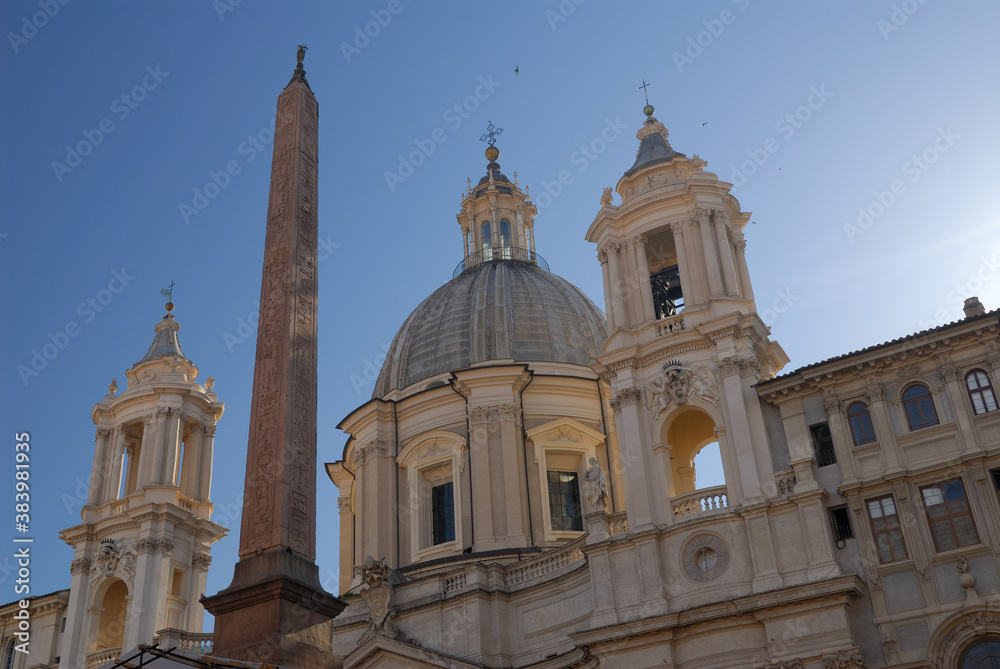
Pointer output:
x,y
515,70
704,124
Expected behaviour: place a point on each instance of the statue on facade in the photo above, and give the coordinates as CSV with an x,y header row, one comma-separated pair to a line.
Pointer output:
x,y
377,594
597,486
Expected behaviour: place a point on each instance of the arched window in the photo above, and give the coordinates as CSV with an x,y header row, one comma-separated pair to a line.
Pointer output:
x,y
505,242
983,655
487,241
980,391
861,423
919,407
8,661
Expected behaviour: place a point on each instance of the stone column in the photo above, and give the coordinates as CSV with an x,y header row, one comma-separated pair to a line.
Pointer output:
x,y
800,449
114,474
482,482
171,448
960,404
710,254
205,466
883,427
156,457
531,232
738,429
634,464
677,228
197,578
346,540
73,652
144,467
512,446
189,481
765,563
744,271
101,454
602,257
617,294
725,252
645,289
843,442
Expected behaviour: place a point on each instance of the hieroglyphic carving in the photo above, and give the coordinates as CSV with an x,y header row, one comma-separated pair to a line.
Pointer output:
x,y
280,510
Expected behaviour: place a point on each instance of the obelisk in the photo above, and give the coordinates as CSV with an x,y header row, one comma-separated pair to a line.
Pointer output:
x,y
275,609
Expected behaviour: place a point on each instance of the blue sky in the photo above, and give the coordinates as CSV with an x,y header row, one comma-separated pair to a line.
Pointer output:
x,y
862,136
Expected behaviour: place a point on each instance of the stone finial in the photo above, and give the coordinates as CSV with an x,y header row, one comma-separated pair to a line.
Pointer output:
x,y
113,387
698,163
607,197
973,307
209,383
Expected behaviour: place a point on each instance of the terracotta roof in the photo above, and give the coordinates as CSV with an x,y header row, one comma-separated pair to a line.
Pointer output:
x,y
995,314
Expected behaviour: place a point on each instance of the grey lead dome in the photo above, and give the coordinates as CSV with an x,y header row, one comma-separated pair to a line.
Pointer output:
x,y
498,310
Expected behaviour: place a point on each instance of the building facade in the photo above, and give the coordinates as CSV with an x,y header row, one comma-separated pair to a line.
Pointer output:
x,y
521,489
143,548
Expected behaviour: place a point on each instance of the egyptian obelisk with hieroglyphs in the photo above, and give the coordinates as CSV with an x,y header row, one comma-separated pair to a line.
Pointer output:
x,y
275,609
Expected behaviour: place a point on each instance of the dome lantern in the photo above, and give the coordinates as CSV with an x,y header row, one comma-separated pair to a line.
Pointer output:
x,y
497,218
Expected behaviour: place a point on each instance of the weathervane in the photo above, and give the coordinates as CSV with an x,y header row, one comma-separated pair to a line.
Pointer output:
x,y
491,134
168,292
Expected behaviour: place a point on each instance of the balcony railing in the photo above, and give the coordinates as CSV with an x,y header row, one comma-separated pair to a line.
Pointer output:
x,y
699,502
191,644
491,253
102,656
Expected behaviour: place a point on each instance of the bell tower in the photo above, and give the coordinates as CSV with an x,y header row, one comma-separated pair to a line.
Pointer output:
x,y
685,344
142,550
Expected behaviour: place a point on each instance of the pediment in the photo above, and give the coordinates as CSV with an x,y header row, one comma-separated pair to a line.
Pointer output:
x,y
379,652
565,431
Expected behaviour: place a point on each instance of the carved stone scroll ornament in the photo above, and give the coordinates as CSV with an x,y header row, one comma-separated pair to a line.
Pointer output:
x,y
376,592
625,397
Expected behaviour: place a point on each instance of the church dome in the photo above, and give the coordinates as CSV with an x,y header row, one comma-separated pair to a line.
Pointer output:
x,y
502,309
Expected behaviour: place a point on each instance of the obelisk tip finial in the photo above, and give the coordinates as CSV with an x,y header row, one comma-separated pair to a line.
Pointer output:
x,y
301,55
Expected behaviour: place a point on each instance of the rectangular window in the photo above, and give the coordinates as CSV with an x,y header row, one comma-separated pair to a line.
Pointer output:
x,y
822,442
443,513
885,528
564,501
949,515
841,522
996,481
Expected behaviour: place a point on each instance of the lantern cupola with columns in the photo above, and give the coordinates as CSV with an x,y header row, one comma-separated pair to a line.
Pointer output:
x,y
142,550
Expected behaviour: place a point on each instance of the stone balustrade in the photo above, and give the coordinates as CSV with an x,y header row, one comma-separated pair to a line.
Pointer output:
x,y
618,524
700,502
546,563
102,656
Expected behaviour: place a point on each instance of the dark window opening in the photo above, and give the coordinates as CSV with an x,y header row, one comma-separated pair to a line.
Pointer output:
x,y
862,429
667,298
564,502
919,407
822,442
841,522
443,513
996,480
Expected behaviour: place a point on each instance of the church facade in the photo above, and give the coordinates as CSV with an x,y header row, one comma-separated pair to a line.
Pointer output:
x,y
521,489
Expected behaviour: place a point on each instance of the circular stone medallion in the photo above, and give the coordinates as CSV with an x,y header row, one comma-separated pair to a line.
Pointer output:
x,y
705,557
